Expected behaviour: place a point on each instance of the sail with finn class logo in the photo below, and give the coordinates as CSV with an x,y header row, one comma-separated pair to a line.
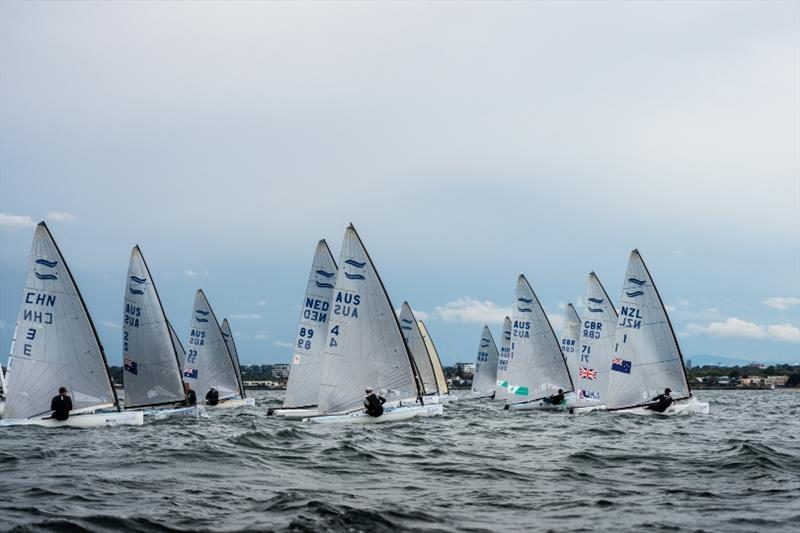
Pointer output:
x,y
138,285
356,264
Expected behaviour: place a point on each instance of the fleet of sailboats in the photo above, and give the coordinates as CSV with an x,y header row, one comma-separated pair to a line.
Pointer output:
x,y
349,341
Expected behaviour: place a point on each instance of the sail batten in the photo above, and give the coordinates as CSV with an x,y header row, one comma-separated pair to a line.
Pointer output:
x,y
55,342
646,357
484,381
364,345
302,387
151,365
537,367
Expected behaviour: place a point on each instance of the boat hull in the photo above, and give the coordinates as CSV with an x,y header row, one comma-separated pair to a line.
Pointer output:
x,y
570,401
294,413
232,403
87,420
195,411
690,406
391,414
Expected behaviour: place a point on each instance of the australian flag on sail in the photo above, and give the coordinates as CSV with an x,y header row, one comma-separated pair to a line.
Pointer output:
x,y
190,373
621,365
131,366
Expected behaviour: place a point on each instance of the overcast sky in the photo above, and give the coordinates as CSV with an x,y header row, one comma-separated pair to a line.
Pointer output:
x,y
468,142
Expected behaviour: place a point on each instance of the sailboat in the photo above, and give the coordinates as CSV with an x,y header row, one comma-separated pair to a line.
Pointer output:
x,y
209,363
423,362
538,368
152,374
592,359
365,347
55,344
484,380
646,356
501,390
227,334
302,388
441,381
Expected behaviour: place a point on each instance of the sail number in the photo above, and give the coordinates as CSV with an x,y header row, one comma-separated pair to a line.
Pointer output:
x,y
568,345
591,329
306,335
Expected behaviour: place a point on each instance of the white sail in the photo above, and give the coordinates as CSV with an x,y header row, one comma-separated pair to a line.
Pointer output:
x,y
151,365
646,357
302,388
419,352
364,347
227,334
55,343
484,381
501,390
438,370
537,368
596,343
570,340
208,361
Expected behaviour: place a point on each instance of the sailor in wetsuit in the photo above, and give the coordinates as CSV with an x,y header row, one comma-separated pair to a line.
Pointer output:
x,y
61,405
374,403
556,399
191,397
661,402
212,396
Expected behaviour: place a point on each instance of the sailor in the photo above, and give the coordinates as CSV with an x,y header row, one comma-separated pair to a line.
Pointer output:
x,y
61,405
661,402
373,403
557,399
191,397
212,396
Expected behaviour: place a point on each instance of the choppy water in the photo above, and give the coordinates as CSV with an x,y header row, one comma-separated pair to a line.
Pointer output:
x,y
477,468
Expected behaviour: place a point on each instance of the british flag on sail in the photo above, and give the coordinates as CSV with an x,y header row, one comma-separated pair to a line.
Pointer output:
x,y
587,373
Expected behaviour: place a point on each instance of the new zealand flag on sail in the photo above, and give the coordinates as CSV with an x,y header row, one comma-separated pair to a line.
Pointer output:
x,y
190,373
621,365
131,366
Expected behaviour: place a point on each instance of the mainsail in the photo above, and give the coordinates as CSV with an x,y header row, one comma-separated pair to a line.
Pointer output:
x,y
55,343
646,357
302,389
438,370
596,343
537,368
570,340
484,381
419,351
227,334
501,391
364,346
151,362
208,361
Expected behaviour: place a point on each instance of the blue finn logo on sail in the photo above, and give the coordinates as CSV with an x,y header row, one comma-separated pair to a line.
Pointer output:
x,y
353,276
634,294
45,262
136,291
593,310
638,282
524,309
325,274
200,315
322,285
525,300
596,300
353,262
48,264
138,280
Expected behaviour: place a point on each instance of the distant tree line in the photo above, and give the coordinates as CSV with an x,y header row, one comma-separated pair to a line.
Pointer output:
x,y
749,371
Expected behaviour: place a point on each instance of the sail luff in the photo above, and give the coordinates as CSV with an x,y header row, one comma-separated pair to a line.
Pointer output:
x,y
436,361
227,334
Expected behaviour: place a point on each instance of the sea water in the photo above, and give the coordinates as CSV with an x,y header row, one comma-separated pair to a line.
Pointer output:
x,y
477,468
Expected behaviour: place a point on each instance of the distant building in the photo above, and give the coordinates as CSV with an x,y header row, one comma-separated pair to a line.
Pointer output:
x,y
688,363
778,381
465,370
280,371
753,381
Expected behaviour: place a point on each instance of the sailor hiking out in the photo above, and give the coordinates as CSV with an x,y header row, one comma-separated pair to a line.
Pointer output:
x,y
374,403
61,405
661,402
191,397
212,396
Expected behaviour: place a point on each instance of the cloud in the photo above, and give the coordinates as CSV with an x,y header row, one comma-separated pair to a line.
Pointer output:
x,y
3,325
782,303
472,311
108,324
16,221
261,336
735,327
784,332
670,308
190,273
283,344
418,314
261,303
245,316
60,216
